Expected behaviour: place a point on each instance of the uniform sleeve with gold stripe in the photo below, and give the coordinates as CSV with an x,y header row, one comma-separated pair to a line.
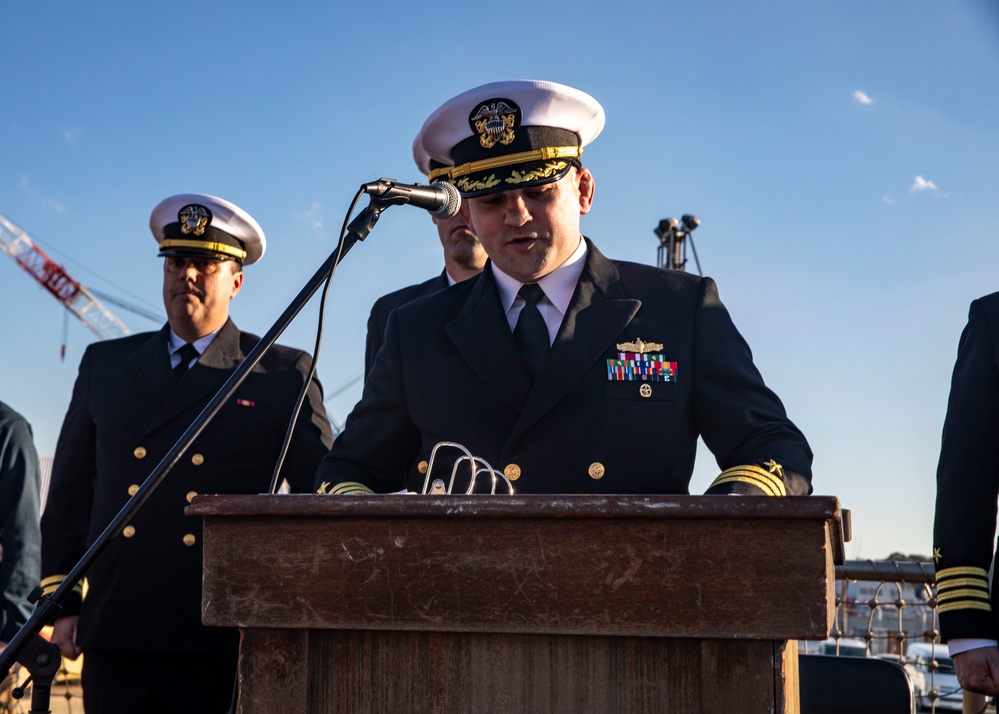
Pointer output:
x,y
968,482
741,420
66,519
751,480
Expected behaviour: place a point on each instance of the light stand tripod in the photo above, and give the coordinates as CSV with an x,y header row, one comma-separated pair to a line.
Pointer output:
x,y
672,253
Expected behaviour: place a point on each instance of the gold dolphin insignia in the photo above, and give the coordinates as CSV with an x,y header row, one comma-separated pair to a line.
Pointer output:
x,y
639,346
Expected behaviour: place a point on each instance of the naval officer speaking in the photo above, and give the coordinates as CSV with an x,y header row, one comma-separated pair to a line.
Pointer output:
x,y
570,372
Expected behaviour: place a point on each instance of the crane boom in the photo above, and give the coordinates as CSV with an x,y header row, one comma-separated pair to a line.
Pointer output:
x,y
54,278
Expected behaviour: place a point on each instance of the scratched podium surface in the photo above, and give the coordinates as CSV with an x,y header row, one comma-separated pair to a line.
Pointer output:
x,y
519,603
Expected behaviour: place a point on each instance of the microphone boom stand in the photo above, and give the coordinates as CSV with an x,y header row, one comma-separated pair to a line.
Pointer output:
x,y
42,658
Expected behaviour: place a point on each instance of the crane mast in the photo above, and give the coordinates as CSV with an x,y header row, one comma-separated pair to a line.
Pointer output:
x,y
53,277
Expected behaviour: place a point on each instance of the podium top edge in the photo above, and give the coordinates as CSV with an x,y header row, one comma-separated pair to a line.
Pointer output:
x,y
519,506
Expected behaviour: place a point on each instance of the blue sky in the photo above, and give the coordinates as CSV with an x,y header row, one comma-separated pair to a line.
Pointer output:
x,y
841,155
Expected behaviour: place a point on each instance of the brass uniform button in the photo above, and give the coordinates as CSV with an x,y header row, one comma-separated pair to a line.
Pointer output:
x,y
189,539
596,470
512,472
197,459
128,531
132,489
645,390
140,452
422,467
191,495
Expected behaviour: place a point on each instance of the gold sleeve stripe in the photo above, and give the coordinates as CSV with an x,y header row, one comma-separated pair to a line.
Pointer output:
x,y
204,245
964,605
761,473
543,154
963,593
732,479
761,478
963,570
962,582
51,583
731,476
350,488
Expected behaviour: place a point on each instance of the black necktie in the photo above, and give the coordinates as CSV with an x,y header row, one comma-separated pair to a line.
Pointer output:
x,y
531,332
187,353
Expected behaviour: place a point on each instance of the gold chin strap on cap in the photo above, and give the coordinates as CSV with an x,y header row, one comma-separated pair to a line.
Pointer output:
x,y
224,249
551,152
768,482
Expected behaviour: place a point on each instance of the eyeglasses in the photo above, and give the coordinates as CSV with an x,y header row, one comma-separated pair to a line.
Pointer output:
x,y
205,266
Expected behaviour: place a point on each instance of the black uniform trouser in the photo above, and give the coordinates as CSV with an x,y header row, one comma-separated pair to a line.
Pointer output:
x,y
116,682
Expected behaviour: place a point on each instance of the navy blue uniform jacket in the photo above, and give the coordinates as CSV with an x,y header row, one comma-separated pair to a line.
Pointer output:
x,y
126,412
450,370
968,482
378,319
21,541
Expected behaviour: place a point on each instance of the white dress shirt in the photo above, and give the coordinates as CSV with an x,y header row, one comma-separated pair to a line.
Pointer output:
x,y
200,344
558,285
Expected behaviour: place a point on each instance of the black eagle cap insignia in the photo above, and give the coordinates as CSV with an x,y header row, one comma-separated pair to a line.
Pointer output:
x,y
494,121
194,219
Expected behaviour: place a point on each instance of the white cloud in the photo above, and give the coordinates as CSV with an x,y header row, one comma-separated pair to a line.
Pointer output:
x,y
861,97
923,185
887,199
25,185
72,134
313,217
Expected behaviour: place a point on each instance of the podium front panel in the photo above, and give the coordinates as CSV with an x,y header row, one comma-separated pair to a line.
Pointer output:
x,y
648,566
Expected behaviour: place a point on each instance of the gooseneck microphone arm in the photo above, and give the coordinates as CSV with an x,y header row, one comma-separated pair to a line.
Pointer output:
x,y
42,658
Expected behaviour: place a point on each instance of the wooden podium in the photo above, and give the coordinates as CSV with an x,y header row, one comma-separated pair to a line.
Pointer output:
x,y
519,603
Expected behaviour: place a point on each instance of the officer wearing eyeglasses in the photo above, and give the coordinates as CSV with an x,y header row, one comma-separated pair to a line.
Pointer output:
x,y
139,625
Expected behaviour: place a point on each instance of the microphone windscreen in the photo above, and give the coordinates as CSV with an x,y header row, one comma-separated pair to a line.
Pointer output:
x,y
452,204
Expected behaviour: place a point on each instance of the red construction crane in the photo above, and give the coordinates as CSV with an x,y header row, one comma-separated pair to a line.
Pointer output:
x,y
54,278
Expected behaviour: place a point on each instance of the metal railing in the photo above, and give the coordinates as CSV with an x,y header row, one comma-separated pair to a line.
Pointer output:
x,y
889,606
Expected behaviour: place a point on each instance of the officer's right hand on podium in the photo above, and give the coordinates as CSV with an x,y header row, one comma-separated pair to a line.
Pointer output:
x,y
64,635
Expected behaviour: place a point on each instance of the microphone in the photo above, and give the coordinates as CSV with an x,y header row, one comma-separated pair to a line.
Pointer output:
x,y
441,199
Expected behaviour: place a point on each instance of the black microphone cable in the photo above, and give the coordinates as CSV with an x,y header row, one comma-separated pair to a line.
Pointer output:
x,y
315,351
